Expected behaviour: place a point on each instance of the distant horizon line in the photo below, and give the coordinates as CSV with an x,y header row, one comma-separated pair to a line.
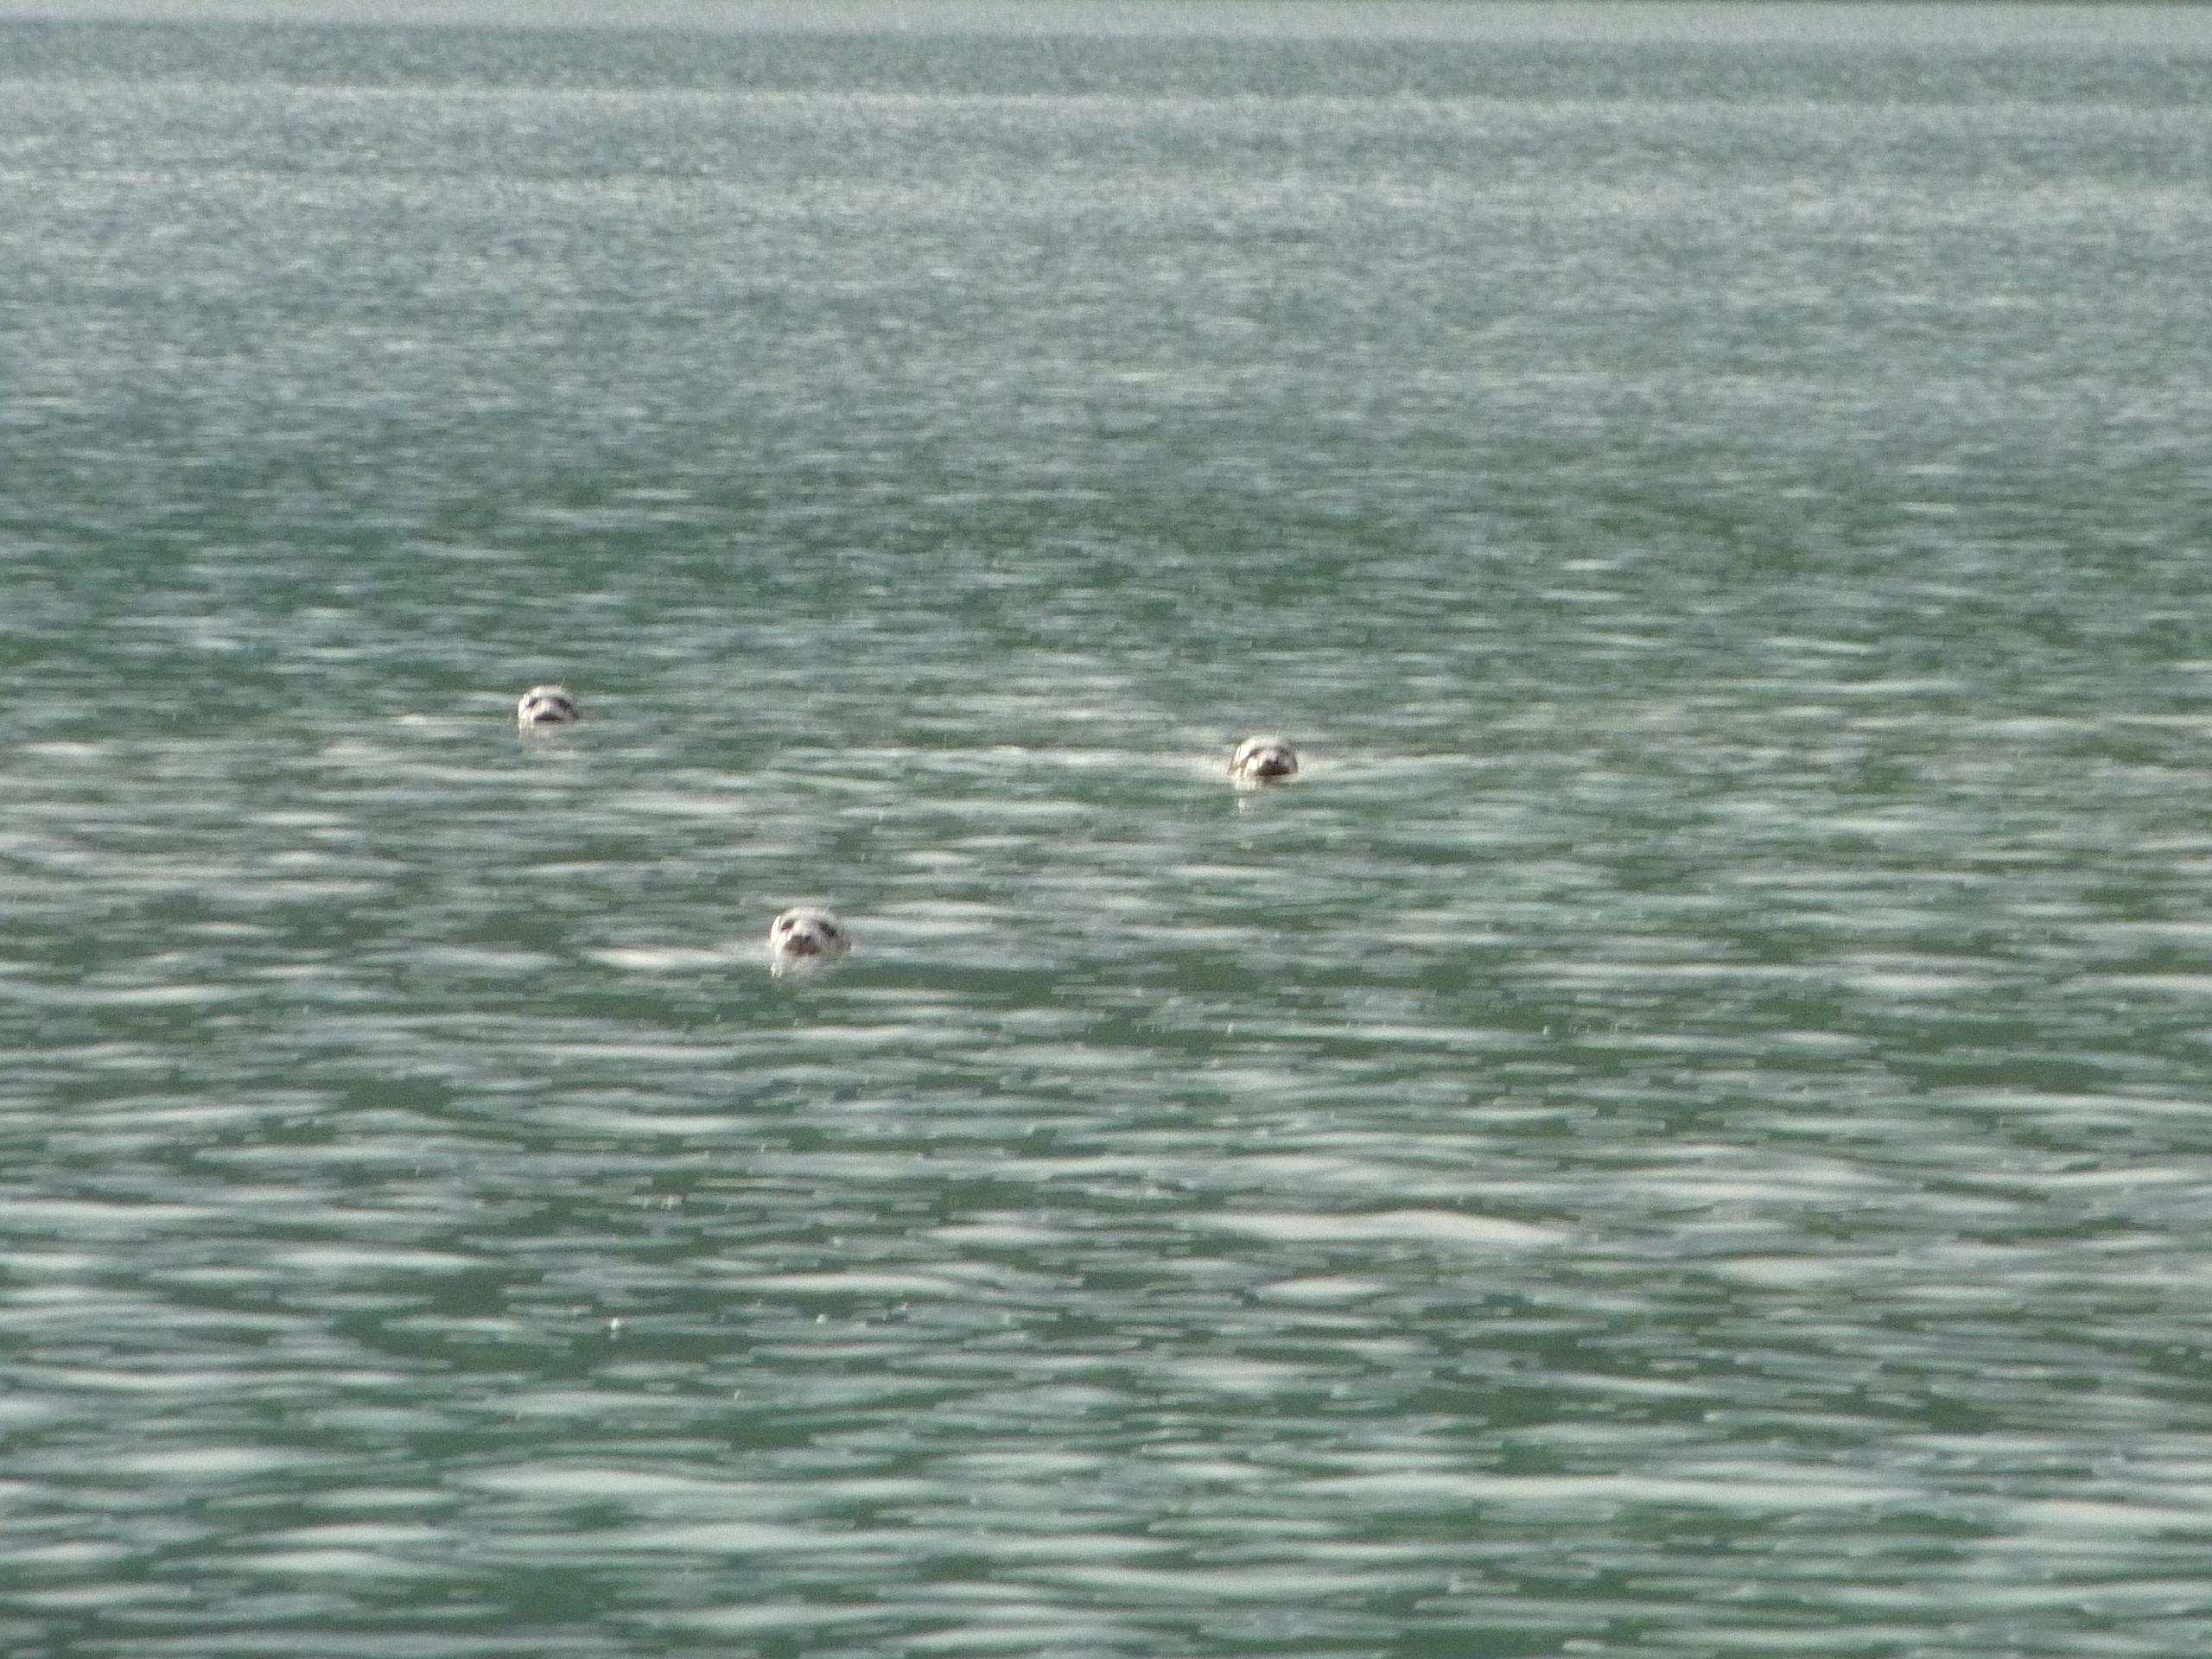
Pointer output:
x,y
2051,23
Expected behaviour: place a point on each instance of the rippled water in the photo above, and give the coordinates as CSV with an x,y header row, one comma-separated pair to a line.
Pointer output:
x,y
1684,1132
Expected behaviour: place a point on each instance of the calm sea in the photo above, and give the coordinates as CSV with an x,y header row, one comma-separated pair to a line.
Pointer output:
x,y
1687,1131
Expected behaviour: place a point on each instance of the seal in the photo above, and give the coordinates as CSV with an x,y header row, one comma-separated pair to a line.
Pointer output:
x,y
547,705
805,935
1262,760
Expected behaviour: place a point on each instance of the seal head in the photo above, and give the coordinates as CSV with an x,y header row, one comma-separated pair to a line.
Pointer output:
x,y
547,705
1263,760
806,935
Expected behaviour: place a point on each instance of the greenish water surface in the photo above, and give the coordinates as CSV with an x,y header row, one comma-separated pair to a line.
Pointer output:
x,y
1684,1132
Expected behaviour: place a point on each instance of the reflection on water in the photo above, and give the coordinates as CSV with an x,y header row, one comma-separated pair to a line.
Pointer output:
x,y
1679,1131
